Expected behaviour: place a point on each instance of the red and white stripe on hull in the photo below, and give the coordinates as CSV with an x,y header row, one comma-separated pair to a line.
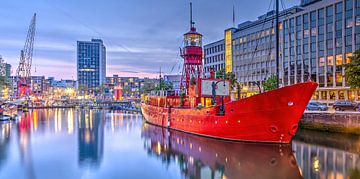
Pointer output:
x,y
271,116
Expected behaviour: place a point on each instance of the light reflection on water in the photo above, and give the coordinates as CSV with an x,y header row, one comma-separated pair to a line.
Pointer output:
x,y
69,143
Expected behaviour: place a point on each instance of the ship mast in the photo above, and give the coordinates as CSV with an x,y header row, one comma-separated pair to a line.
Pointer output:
x,y
192,54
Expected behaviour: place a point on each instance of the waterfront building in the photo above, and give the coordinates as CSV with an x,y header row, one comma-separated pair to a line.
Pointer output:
x,y
175,80
91,64
214,56
130,85
37,84
316,39
63,83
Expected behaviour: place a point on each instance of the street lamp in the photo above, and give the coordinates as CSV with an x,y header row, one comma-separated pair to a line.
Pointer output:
x,y
222,107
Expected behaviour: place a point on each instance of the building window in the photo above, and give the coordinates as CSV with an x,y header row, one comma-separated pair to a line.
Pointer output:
x,y
351,95
332,95
347,58
330,60
338,59
338,78
321,61
341,94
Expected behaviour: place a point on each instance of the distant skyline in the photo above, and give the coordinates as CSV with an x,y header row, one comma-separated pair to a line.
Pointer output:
x,y
140,35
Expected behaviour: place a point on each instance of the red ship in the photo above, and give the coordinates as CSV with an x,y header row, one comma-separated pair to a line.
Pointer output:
x,y
205,107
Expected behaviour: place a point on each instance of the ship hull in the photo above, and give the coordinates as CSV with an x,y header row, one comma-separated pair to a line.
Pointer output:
x,y
270,117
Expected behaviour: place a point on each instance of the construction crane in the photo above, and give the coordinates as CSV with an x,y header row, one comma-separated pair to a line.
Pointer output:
x,y
23,71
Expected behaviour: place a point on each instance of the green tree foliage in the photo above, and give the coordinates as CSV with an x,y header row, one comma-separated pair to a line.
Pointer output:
x,y
4,82
164,85
147,87
182,99
352,70
270,83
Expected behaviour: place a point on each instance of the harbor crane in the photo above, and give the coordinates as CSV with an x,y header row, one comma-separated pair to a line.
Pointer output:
x,y
23,71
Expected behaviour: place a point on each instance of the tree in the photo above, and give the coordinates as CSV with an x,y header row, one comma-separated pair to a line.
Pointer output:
x,y
270,83
4,83
352,70
164,85
147,87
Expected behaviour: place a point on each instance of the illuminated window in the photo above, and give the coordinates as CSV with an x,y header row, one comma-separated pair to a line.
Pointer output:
x,y
280,26
321,61
338,78
330,60
338,60
351,95
228,51
347,58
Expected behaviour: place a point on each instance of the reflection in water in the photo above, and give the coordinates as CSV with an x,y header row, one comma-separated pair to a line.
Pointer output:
x,y
324,155
200,157
91,137
94,143
4,141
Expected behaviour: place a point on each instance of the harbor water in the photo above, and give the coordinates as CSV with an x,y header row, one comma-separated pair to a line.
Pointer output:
x,y
85,143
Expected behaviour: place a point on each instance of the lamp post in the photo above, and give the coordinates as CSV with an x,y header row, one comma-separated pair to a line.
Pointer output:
x,y
257,83
222,107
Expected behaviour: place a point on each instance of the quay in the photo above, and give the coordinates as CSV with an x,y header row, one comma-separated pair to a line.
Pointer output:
x,y
332,121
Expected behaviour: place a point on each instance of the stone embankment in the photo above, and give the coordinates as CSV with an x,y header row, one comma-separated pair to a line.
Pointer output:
x,y
331,121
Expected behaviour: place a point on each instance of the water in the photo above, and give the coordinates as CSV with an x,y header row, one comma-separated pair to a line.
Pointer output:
x,y
69,143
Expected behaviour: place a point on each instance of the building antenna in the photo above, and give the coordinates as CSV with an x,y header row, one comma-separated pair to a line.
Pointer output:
x,y
233,18
191,19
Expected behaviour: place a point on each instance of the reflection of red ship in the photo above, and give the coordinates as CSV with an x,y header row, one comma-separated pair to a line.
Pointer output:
x,y
271,116
200,157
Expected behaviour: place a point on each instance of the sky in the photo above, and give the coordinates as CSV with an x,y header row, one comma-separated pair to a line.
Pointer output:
x,y
141,36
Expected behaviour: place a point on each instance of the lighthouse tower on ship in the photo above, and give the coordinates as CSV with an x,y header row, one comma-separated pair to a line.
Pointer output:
x,y
192,54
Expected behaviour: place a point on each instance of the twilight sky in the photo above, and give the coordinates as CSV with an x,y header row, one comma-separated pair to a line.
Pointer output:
x,y
140,35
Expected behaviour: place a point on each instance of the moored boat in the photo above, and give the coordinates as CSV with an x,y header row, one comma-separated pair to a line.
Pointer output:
x,y
205,107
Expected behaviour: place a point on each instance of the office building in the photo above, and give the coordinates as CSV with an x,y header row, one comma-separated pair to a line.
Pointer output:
x,y
37,84
91,64
214,57
316,39
130,85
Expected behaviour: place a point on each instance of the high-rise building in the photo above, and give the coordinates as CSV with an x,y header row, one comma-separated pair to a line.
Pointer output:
x,y
91,63
7,70
316,39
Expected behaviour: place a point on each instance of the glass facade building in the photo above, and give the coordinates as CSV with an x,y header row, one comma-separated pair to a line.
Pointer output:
x,y
91,63
316,40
